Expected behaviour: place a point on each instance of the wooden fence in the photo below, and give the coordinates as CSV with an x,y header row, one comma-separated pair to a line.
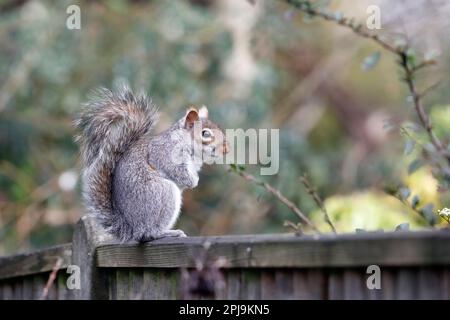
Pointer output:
x,y
413,265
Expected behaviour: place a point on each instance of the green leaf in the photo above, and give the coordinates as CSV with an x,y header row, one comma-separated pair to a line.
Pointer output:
x,y
371,61
415,201
402,227
428,213
414,166
404,193
411,57
409,146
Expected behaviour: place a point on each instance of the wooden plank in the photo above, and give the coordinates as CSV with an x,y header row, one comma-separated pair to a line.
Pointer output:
x,y
406,284
431,286
285,284
446,284
150,285
388,278
18,289
112,284
122,284
233,284
61,282
39,281
352,250
86,237
136,284
27,284
335,285
309,284
250,286
8,293
354,284
34,262
168,284
268,285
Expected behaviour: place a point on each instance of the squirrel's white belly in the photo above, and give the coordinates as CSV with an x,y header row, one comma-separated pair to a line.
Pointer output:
x,y
177,203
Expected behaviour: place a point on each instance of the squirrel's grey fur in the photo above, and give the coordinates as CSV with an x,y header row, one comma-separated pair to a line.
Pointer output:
x,y
130,183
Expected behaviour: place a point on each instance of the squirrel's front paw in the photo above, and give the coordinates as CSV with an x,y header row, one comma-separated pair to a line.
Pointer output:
x,y
172,233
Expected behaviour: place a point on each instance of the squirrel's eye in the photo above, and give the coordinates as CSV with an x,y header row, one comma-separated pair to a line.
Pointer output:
x,y
206,133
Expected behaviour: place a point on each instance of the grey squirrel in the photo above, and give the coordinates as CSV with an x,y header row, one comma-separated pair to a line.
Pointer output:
x,y
133,180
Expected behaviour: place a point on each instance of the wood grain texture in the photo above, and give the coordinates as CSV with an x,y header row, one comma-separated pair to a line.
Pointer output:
x,y
406,284
136,287
431,284
354,284
86,238
39,281
388,278
122,284
335,284
250,287
34,262
355,250
414,265
310,284
268,285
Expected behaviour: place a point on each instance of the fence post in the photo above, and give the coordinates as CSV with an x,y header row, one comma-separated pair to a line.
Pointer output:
x,y
87,236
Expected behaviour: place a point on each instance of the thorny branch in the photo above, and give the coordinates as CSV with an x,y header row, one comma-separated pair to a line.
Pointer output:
x,y
277,194
313,193
402,52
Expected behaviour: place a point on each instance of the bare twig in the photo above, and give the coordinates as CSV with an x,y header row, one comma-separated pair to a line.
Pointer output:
x,y
313,193
277,194
430,88
297,227
51,278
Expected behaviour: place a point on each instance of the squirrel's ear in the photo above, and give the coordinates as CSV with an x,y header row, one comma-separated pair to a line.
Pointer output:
x,y
191,117
203,112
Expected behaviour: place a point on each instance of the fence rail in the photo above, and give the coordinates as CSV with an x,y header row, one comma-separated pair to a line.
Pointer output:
x,y
414,265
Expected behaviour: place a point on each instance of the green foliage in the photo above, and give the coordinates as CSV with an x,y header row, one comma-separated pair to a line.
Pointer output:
x,y
178,51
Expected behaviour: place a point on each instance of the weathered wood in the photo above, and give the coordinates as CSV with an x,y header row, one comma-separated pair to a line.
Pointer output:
x,y
18,290
8,293
354,285
39,282
27,285
250,287
122,284
233,284
268,285
414,265
34,262
388,276
355,250
285,284
446,284
61,282
431,284
87,236
309,284
136,284
335,285
150,284
406,284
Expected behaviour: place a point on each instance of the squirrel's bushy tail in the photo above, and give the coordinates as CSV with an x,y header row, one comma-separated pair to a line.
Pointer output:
x,y
109,124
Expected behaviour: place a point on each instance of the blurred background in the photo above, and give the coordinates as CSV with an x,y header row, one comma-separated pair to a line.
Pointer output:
x,y
336,99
